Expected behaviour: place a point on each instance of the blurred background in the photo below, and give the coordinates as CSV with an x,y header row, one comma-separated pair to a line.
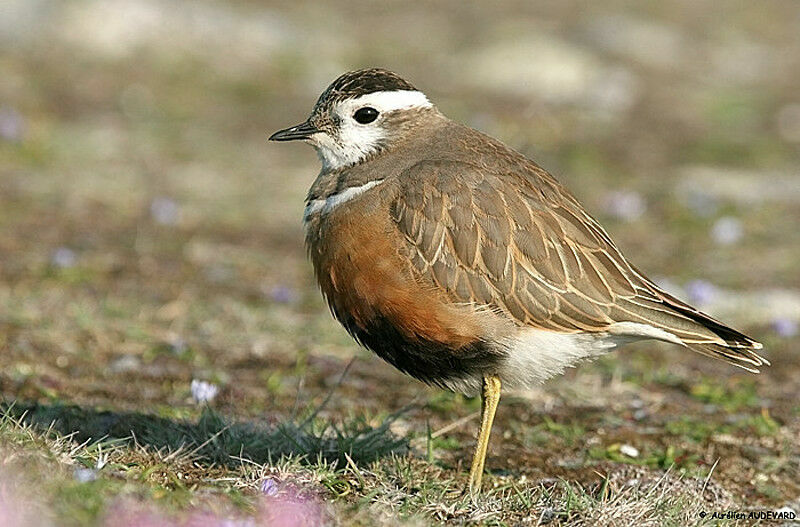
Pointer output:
x,y
150,236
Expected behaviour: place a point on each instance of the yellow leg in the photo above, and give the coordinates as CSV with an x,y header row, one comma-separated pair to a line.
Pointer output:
x,y
489,399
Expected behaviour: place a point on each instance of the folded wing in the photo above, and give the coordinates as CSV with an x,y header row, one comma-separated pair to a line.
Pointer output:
x,y
520,244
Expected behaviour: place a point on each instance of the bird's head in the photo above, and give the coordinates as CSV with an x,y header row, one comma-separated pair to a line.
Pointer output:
x,y
361,114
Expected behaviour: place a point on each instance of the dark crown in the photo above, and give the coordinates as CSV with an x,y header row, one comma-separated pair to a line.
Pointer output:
x,y
361,82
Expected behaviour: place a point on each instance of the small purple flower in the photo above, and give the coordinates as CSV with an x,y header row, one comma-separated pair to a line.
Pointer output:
x,y
203,392
727,230
785,327
701,292
12,126
282,294
164,211
625,205
63,257
84,475
269,487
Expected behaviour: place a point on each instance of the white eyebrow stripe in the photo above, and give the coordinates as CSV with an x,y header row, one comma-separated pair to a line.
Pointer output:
x,y
331,202
387,101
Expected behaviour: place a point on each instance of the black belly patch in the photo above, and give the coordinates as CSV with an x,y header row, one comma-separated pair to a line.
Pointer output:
x,y
429,361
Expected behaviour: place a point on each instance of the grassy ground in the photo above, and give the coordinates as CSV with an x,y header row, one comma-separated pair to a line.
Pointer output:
x,y
150,237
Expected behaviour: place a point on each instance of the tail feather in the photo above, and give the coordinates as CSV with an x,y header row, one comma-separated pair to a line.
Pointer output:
x,y
732,338
743,358
697,330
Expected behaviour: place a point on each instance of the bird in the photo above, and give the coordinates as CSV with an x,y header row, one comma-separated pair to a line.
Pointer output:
x,y
465,264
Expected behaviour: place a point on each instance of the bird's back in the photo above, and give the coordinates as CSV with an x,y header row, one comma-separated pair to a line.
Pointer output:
x,y
492,228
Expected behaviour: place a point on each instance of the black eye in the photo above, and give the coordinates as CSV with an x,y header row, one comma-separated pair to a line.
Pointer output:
x,y
365,115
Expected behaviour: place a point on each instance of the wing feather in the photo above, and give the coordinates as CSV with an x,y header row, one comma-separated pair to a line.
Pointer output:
x,y
519,243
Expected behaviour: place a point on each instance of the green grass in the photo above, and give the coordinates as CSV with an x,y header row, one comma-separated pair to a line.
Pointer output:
x,y
169,461
730,396
214,440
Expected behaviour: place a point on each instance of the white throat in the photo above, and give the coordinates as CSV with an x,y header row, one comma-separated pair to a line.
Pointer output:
x,y
354,141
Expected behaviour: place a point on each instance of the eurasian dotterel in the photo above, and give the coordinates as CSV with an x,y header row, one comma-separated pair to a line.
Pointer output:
x,y
462,262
